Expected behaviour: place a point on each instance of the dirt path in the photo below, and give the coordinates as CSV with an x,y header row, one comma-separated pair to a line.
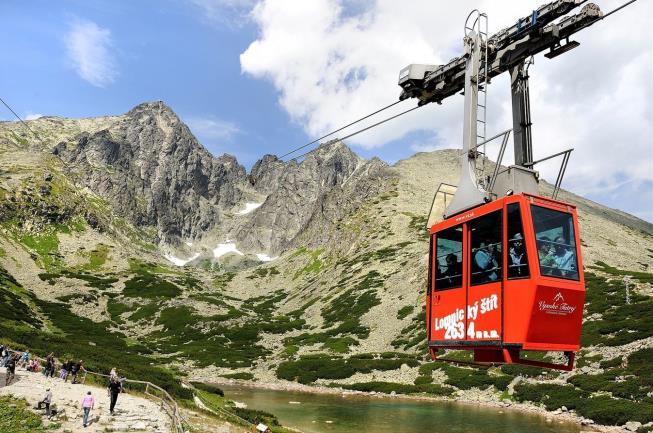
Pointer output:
x,y
132,414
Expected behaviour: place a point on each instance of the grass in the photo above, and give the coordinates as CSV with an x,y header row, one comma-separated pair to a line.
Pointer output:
x,y
346,309
314,264
146,284
263,272
46,248
213,389
70,336
620,323
97,258
404,311
145,311
95,281
116,308
223,279
602,409
15,307
16,417
414,334
644,277
467,378
308,369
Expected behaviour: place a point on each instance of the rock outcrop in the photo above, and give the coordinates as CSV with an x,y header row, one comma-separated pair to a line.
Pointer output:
x,y
326,185
154,171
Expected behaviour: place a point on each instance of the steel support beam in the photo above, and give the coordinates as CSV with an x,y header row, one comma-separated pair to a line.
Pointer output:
x,y
521,114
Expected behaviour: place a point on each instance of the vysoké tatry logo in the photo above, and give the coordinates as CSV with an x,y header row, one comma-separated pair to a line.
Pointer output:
x,y
557,306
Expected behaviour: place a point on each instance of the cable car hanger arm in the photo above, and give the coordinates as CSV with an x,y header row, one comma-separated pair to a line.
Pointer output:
x,y
506,48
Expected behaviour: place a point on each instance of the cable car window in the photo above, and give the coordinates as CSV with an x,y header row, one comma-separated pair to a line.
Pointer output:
x,y
449,258
486,249
517,259
556,243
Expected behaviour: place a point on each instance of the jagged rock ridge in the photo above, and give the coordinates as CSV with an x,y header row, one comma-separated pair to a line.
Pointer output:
x,y
155,172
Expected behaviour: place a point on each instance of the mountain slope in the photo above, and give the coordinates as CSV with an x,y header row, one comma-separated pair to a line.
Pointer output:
x,y
87,217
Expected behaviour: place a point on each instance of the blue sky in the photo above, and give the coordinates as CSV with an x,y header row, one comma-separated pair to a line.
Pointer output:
x,y
254,77
161,50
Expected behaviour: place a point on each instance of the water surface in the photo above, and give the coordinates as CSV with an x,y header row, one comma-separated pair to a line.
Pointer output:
x,y
328,413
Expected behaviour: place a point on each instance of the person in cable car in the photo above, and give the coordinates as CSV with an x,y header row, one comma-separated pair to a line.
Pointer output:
x,y
564,256
453,272
486,263
545,252
518,265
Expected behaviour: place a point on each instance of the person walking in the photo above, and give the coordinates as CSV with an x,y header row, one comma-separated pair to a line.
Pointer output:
x,y
63,374
24,358
4,355
114,388
88,403
11,370
76,368
48,371
47,399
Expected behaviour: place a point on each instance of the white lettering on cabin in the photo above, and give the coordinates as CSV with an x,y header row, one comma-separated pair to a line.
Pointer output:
x,y
490,303
465,216
452,324
558,306
472,311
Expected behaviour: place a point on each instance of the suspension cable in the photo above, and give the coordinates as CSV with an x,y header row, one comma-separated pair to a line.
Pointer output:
x,y
22,121
341,128
365,129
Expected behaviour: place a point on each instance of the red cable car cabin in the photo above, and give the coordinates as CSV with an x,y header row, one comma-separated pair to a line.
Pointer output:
x,y
507,277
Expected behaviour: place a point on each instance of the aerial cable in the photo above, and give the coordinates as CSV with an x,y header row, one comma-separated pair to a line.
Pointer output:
x,y
366,128
617,9
22,121
340,129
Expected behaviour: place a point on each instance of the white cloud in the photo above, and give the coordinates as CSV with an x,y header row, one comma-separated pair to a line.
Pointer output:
x,y
90,50
230,13
212,128
33,116
331,66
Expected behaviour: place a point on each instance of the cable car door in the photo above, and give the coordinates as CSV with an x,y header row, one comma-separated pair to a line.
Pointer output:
x,y
449,295
485,253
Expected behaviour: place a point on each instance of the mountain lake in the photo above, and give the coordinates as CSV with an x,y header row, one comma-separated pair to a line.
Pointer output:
x,y
334,413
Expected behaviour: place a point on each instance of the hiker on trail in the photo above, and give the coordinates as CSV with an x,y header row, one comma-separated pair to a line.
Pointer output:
x,y
48,371
65,370
47,399
11,369
76,368
24,358
114,388
4,354
34,366
88,403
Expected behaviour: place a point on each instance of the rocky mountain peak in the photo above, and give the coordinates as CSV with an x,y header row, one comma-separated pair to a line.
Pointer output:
x,y
306,193
152,107
149,164
154,172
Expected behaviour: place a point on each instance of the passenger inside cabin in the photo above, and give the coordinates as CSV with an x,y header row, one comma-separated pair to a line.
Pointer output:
x,y
487,263
518,265
545,253
564,256
453,273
